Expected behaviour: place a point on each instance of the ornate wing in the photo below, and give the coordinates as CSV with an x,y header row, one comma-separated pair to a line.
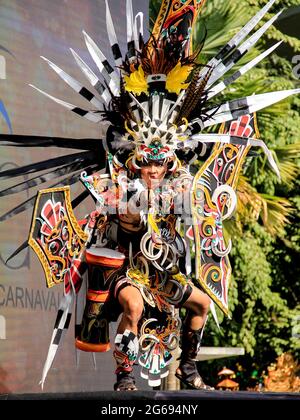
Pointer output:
x,y
57,238
213,201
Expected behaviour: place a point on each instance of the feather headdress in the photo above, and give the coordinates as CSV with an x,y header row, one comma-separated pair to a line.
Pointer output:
x,y
156,96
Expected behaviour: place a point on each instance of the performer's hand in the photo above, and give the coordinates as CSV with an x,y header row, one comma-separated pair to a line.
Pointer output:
x,y
93,219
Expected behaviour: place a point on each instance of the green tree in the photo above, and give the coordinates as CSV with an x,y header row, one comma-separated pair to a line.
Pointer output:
x,y
265,285
264,292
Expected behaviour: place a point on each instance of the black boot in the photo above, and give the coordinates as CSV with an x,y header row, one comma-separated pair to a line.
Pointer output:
x,y
187,371
125,382
125,354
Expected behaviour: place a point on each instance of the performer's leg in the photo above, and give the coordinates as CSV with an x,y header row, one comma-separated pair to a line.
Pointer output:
x,y
132,303
198,306
126,343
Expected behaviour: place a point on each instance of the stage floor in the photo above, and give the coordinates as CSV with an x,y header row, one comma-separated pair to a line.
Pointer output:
x,y
160,396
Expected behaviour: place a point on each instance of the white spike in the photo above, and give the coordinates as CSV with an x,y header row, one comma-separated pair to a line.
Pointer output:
x,y
90,75
254,102
99,58
213,138
94,117
74,84
129,18
111,32
238,38
169,113
139,105
251,24
243,70
246,46
138,31
59,101
66,307
273,164
155,107
110,26
245,141
87,71
165,108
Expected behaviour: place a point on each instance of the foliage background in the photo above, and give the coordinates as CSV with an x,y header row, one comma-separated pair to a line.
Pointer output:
x,y
265,284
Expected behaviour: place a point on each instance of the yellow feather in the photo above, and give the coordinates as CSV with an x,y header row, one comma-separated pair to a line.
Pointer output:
x,y
152,223
176,78
136,82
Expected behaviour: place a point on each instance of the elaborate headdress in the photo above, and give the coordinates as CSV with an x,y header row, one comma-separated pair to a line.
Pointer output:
x,y
156,96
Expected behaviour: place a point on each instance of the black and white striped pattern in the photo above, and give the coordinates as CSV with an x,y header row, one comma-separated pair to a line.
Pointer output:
x,y
238,107
107,71
243,70
138,30
238,140
46,177
113,37
238,38
141,107
60,327
226,64
131,46
92,78
89,115
155,124
128,343
228,54
158,108
29,203
175,108
74,84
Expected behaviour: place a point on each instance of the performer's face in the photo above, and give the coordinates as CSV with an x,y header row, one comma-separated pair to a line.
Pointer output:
x,y
153,173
